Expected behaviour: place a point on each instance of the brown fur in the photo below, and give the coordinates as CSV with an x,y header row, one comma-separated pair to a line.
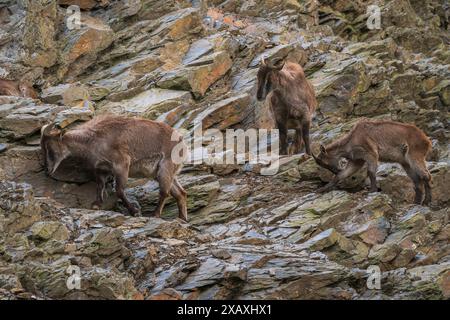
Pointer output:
x,y
17,88
121,147
292,101
373,141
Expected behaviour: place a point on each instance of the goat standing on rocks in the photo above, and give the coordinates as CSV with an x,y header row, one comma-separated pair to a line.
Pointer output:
x,y
121,147
292,101
373,141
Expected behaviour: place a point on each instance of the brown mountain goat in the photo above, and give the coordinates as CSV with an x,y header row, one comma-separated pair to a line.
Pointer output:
x,y
17,88
373,141
119,147
292,100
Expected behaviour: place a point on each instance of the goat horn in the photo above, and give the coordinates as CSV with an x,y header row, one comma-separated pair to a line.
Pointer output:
x,y
45,130
263,62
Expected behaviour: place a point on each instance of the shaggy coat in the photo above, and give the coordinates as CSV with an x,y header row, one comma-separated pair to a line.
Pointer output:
x,y
292,101
121,147
374,141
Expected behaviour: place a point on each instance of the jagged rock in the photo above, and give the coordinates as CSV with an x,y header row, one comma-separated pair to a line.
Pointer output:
x,y
20,117
224,114
85,4
96,283
339,83
249,236
83,112
82,46
66,94
178,24
19,161
201,190
394,181
149,104
159,228
46,230
39,34
198,79
18,208
103,246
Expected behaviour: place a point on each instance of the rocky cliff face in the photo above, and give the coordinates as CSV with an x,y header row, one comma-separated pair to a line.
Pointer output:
x,y
250,236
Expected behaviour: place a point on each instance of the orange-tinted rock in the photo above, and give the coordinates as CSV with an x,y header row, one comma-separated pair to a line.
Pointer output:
x,y
83,45
224,114
199,78
39,34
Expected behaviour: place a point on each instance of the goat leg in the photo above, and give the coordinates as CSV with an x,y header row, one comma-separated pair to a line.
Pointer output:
x,y
121,175
101,185
305,134
283,140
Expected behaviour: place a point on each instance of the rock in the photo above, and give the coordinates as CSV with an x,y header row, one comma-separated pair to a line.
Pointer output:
x,y
82,46
339,83
67,117
201,190
18,210
167,294
323,240
96,283
394,181
39,34
65,94
159,228
149,104
375,231
20,161
198,79
413,218
224,114
46,230
221,254
177,25
249,236
197,50
103,247
22,118
84,4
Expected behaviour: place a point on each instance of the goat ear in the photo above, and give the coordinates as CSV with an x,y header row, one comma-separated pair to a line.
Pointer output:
x,y
322,149
263,62
49,130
